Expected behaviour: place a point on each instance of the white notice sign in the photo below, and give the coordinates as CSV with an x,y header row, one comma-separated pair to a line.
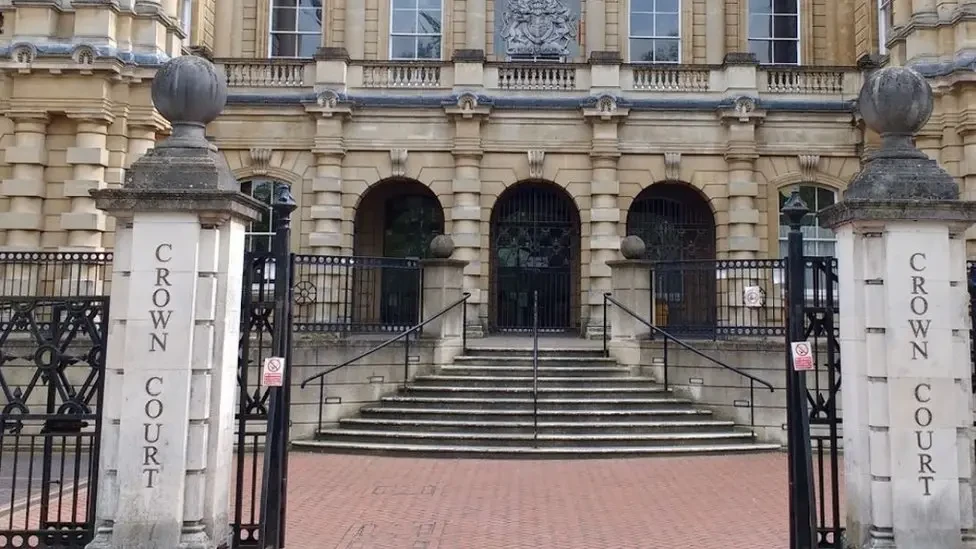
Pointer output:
x,y
802,356
272,372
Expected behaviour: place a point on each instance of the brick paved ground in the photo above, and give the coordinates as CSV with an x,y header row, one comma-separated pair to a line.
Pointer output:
x,y
356,502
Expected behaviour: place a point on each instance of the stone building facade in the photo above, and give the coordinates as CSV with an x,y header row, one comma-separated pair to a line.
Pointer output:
x,y
536,132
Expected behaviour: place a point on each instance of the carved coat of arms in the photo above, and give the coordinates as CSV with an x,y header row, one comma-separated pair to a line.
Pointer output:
x,y
538,28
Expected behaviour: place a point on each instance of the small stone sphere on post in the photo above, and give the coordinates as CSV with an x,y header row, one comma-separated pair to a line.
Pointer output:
x,y
633,247
441,247
190,93
896,102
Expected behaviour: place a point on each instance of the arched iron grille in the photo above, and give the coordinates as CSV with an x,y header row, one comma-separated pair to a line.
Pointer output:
x,y
678,228
535,247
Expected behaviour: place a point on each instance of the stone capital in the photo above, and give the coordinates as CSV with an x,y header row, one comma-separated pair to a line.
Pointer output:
x,y
605,109
468,107
952,212
213,206
329,104
102,117
28,116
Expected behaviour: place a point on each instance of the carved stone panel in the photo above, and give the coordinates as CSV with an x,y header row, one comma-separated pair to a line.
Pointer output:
x,y
537,29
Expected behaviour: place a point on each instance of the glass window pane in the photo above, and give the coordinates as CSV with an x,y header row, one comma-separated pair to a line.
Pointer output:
x,y
429,21
641,50
646,6
430,5
284,45
404,4
667,6
310,4
310,20
666,51
825,197
784,26
283,19
308,44
642,24
404,21
666,25
786,52
762,49
784,6
809,195
760,6
403,47
429,47
759,26
285,3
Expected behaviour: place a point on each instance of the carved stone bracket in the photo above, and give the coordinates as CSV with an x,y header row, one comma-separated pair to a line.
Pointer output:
x,y
468,106
744,110
398,162
260,159
808,166
605,109
537,159
329,103
672,166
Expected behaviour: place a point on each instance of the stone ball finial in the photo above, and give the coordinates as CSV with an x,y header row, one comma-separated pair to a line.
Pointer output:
x,y
441,247
633,247
190,93
896,101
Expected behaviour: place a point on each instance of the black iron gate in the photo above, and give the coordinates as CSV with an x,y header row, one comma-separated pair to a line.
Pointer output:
x,y
52,361
535,247
262,420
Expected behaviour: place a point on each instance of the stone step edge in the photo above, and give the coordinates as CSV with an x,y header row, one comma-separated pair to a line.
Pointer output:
x,y
548,358
503,389
561,379
489,412
528,450
609,401
530,436
542,424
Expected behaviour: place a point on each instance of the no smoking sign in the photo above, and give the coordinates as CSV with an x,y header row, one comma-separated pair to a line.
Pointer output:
x,y
802,356
272,372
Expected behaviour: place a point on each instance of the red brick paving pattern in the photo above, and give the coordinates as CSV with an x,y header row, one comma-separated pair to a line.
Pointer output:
x,y
357,502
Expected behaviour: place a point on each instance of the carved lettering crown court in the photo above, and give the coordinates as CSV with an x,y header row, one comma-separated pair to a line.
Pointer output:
x,y
161,297
919,305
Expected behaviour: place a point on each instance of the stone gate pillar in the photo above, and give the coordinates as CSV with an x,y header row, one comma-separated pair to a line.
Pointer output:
x,y
170,376
904,334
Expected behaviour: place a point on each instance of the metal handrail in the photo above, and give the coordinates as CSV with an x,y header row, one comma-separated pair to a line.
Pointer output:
x,y
535,368
608,297
394,339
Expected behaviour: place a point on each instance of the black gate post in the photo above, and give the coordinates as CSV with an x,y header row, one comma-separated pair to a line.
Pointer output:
x,y
276,441
802,517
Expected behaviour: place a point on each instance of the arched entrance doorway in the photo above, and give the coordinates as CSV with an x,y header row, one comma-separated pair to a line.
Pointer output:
x,y
535,247
677,225
396,220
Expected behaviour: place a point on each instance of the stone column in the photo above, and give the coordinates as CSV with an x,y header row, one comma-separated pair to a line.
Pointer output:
x,y
908,437
596,26
170,386
443,280
714,31
605,216
355,29
631,286
466,213
475,26
27,188
83,222
142,137
741,155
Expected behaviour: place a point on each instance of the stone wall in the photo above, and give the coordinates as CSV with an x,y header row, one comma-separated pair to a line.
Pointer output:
x,y
725,392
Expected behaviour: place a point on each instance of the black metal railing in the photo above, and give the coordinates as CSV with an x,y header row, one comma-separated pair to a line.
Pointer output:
x,y
971,283
336,293
719,298
535,369
55,274
405,336
753,380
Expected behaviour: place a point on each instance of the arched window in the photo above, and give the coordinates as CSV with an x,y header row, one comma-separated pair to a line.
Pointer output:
x,y
415,29
774,31
655,31
296,28
261,232
817,240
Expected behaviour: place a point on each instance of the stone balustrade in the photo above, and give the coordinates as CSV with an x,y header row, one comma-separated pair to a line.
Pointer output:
x,y
633,80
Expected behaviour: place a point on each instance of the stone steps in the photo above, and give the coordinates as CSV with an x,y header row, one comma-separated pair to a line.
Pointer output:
x,y
482,405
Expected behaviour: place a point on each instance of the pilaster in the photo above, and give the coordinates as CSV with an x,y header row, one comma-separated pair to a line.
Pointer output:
x,y
27,188
605,216
96,21
35,21
466,213
89,158
329,150
355,29
741,155
475,25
